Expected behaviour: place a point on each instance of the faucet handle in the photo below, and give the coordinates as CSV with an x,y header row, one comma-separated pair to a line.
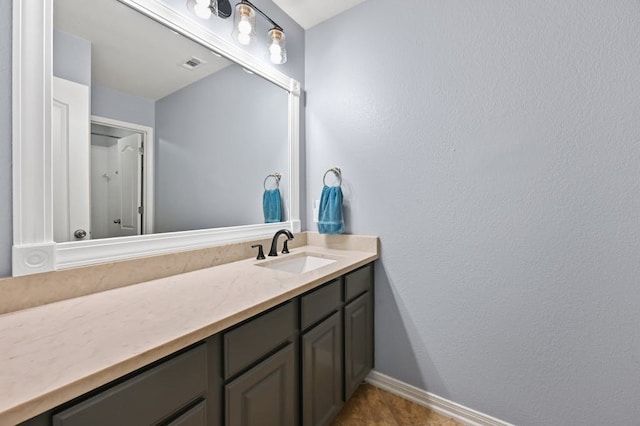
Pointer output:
x,y
260,252
285,249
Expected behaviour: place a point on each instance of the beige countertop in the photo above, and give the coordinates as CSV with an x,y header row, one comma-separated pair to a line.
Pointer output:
x,y
53,353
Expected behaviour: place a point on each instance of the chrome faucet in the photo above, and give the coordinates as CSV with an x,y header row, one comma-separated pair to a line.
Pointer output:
x,y
274,242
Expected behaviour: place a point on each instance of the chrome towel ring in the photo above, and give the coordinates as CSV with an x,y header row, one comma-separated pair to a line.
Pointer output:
x,y
336,171
276,176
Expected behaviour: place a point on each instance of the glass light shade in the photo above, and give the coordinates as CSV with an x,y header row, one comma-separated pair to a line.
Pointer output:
x,y
203,9
277,50
244,24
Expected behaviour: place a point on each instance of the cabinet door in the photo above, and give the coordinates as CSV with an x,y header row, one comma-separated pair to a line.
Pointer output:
x,y
266,395
322,372
358,341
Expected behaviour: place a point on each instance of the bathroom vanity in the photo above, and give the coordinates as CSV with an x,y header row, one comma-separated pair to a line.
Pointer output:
x,y
142,330
240,343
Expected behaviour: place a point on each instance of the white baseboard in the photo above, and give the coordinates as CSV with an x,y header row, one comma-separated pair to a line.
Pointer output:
x,y
443,406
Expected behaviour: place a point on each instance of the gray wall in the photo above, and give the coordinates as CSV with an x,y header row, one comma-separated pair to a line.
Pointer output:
x,y
71,58
217,140
6,225
494,147
111,103
72,61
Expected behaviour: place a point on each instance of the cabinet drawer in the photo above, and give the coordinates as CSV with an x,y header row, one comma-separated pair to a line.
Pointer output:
x,y
251,341
320,303
196,416
144,399
357,282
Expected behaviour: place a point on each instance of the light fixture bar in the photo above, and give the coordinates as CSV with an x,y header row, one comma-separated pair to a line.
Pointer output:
x,y
244,31
264,15
204,9
244,24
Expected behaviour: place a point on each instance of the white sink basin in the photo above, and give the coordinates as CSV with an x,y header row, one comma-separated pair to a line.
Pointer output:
x,y
298,264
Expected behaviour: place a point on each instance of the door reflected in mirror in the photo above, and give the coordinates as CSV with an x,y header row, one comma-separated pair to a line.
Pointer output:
x,y
181,139
117,209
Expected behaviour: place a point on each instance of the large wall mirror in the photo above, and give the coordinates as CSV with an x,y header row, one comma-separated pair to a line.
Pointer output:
x,y
157,135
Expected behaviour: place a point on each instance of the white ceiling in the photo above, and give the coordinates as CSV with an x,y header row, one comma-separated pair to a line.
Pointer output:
x,y
136,55
131,52
308,13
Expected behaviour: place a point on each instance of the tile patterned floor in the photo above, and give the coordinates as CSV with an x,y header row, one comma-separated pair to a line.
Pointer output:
x,y
371,406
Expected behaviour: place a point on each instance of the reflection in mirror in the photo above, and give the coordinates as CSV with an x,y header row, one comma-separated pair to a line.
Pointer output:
x,y
116,179
181,139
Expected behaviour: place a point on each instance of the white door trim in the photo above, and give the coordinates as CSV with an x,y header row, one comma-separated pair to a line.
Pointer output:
x,y
148,174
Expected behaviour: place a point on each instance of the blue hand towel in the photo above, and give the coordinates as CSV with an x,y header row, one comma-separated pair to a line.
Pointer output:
x,y
330,211
272,206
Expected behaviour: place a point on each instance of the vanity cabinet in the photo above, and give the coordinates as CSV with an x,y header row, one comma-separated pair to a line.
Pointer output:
x,y
180,390
196,416
266,395
321,356
358,328
296,363
260,370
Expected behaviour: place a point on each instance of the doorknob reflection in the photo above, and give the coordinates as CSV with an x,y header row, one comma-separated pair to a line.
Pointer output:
x,y
80,233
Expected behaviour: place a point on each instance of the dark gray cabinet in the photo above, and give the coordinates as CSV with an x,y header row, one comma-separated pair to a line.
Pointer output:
x,y
266,395
321,353
249,342
358,327
196,416
261,389
149,398
294,364
358,282
358,342
337,353
318,304
322,372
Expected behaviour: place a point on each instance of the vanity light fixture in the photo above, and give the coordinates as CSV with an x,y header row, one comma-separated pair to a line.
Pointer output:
x,y
244,24
204,9
277,51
